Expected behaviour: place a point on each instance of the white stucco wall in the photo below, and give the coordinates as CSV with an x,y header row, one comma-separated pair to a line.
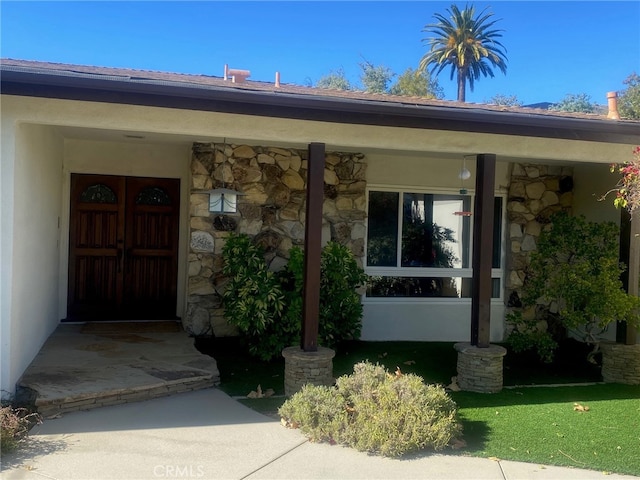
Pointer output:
x,y
7,168
590,182
34,267
425,319
428,171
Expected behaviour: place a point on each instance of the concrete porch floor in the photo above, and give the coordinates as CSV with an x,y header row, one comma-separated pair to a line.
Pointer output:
x,y
85,366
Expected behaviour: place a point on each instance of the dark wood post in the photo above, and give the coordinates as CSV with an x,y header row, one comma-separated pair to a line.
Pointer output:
x,y
630,256
313,247
482,250
634,270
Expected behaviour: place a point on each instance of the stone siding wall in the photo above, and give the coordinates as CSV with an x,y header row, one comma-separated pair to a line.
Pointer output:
x,y
272,210
535,193
621,363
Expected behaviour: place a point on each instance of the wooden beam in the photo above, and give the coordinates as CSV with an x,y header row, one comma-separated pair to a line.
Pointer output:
x,y
313,247
482,250
634,270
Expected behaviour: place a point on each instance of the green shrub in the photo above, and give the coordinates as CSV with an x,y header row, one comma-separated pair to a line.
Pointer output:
x,y
267,306
576,267
15,424
526,336
253,300
340,304
377,412
319,412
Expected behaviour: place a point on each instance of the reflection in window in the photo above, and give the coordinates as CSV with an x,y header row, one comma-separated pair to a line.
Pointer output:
x,y
98,193
410,231
432,234
422,287
382,229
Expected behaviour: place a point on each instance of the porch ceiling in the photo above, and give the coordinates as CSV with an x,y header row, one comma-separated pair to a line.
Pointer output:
x,y
146,137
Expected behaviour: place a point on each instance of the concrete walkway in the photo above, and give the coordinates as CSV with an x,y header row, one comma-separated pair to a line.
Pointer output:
x,y
207,435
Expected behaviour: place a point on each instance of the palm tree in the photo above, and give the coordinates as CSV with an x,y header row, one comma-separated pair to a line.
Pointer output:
x,y
465,43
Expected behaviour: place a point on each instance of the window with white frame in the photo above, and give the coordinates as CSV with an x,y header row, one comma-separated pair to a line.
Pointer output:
x,y
419,245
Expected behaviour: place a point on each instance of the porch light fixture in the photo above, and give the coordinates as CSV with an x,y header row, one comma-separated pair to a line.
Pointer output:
x,y
464,174
223,200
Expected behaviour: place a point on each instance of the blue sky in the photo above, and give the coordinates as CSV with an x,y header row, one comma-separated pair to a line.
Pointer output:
x,y
553,48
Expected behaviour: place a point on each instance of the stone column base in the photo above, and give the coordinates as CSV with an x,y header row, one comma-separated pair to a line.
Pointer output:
x,y
620,363
480,369
302,367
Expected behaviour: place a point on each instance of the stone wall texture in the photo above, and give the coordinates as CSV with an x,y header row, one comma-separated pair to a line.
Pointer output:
x,y
272,211
621,363
480,369
535,193
301,368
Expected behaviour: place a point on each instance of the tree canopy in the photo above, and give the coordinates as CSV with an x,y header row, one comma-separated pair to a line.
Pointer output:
x,y
629,100
378,79
415,83
336,80
580,102
504,100
466,43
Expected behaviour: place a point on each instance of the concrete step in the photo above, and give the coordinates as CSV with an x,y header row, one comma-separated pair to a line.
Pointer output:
x,y
52,407
77,370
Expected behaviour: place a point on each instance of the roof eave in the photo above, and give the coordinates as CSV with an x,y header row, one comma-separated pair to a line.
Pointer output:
x,y
96,88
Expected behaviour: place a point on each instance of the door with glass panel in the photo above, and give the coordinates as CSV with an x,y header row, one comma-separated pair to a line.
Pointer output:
x,y
123,246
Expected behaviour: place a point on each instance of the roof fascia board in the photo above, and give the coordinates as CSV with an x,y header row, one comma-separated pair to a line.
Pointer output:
x,y
244,101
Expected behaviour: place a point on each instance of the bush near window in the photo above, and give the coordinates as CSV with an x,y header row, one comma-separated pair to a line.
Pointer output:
x,y
375,411
267,306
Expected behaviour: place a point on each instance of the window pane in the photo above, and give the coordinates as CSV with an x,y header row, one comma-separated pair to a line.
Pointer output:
x,y
417,287
382,229
434,231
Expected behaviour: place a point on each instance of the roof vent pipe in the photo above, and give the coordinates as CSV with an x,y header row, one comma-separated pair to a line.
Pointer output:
x,y
236,75
612,100
277,79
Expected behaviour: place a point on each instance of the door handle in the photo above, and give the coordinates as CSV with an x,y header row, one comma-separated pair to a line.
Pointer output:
x,y
119,256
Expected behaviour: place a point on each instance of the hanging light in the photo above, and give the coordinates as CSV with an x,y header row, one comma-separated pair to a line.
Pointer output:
x,y
224,200
463,175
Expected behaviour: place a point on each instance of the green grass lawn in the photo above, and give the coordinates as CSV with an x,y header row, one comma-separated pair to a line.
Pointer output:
x,y
543,425
532,424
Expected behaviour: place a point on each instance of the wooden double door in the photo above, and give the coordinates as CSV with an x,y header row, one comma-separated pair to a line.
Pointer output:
x,y
123,248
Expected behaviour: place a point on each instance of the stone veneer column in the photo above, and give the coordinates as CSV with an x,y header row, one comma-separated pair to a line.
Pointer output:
x,y
620,363
480,369
301,368
536,192
272,211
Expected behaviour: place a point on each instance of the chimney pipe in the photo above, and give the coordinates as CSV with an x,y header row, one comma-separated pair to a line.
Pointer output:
x,y
612,100
226,71
277,79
